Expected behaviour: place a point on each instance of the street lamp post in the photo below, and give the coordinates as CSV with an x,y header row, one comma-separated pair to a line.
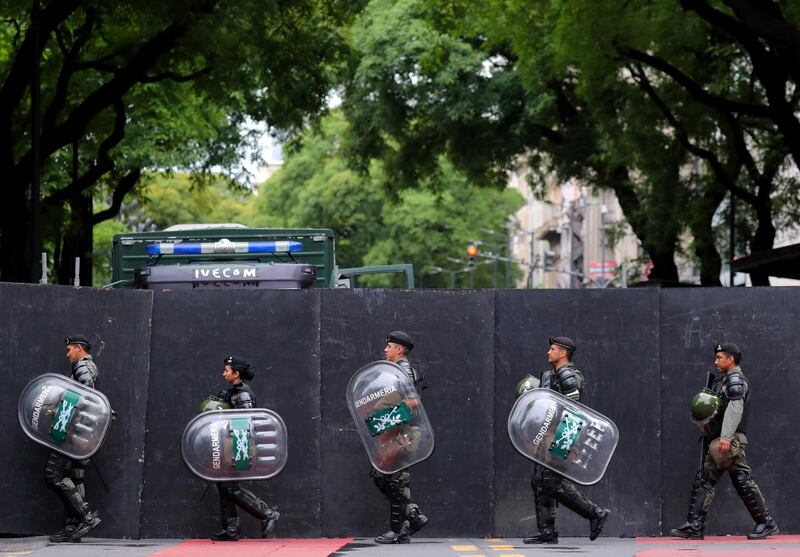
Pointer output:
x,y
603,211
435,270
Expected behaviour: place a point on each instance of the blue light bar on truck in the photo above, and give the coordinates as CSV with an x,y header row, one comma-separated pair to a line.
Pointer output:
x,y
223,246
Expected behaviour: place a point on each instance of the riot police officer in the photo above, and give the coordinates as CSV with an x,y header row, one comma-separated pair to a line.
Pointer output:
x,y
65,475
726,452
548,486
232,494
405,517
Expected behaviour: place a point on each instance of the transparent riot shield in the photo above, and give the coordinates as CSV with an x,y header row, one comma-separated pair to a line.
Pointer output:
x,y
232,445
389,417
562,435
64,415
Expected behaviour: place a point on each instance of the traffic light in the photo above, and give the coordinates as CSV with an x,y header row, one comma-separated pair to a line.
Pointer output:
x,y
472,251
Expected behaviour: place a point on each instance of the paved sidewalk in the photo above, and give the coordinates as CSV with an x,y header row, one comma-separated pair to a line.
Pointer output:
x,y
726,546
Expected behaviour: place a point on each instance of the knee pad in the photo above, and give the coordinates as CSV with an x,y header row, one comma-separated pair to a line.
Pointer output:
x,y
741,479
66,484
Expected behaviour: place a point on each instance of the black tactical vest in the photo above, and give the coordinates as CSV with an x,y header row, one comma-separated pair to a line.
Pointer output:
x,y
551,379
721,388
238,392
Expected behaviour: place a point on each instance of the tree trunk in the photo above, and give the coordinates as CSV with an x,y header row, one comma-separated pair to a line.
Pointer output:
x,y
700,224
77,242
660,247
15,257
664,268
763,239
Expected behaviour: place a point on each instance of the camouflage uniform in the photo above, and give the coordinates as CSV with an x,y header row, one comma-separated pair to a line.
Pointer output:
x,y
65,475
730,423
232,494
550,487
405,516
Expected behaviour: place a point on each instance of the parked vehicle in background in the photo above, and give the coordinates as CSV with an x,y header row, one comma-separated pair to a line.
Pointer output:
x,y
234,256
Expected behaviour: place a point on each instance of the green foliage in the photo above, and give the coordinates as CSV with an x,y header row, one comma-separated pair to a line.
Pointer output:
x,y
634,96
140,87
374,226
177,199
103,234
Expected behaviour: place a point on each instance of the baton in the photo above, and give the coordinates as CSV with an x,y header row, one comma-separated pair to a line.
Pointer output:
x,y
208,484
703,439
100,474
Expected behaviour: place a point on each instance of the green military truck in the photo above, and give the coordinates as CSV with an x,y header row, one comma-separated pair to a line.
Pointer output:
x,y
234,256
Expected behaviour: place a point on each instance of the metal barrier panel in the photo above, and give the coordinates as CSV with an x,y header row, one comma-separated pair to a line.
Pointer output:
x,y
34,320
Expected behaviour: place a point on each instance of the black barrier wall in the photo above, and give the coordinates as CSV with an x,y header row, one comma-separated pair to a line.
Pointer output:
x,y
453,333
644,354
278,333
763,322
33,323
616,332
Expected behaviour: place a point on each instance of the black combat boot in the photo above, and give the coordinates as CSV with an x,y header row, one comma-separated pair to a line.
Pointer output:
x,y
393,537
397,521
416,520
89,522
545,513
65,534
692,529
544,536
764,529
230,531
597,522
271,516
748,490
695,525
569,496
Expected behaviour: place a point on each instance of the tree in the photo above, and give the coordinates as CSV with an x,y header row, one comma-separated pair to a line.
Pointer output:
x,y
129,88
377,220
576,88
713,96
177,199
432,81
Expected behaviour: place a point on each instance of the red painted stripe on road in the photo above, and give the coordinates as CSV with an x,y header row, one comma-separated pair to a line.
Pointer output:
x,y
720,539
317,547
717,552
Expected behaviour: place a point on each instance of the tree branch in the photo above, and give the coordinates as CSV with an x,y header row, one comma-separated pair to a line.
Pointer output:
x,y
98,65
174,76
683,138
17,29
67,69
19,75
771,27
103,164
21,69
108,94
696,91
771,69
124,186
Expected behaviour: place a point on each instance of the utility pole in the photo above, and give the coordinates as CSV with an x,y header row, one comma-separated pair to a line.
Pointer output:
x,y
603,210
733,239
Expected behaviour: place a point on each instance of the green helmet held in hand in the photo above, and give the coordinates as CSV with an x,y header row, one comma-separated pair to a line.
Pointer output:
x,y
213,403
705,408
528,383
